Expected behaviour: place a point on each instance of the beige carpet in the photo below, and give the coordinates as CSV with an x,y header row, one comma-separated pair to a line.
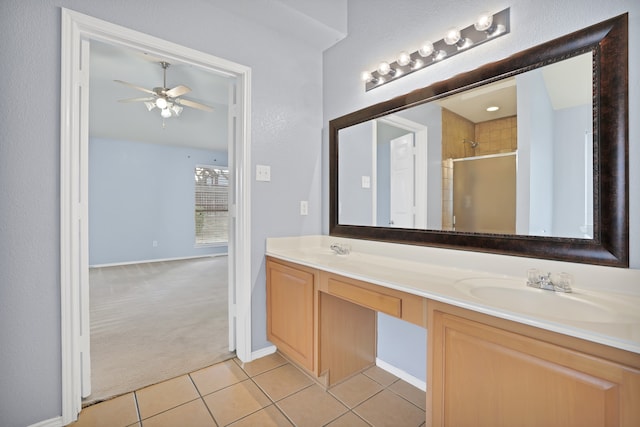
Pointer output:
x,y
155,321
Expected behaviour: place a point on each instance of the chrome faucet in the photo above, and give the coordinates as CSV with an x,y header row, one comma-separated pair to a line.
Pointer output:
x,y
340,249
560,283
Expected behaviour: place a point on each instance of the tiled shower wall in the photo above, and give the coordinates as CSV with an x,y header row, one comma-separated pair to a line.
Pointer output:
x,y
493,137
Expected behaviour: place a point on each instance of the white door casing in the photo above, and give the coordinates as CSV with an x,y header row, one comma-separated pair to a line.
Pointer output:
x,y
420,132
402,182
77,31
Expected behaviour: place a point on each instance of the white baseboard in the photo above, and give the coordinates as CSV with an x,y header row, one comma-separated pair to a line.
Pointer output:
x,y
52,422
422,385
263,352
146,261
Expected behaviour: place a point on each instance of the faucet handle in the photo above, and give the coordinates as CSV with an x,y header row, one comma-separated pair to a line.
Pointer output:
x,y
562,282
340,249
533,277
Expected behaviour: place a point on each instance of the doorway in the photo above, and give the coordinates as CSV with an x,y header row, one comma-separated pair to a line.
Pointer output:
x,y
155,264
77,32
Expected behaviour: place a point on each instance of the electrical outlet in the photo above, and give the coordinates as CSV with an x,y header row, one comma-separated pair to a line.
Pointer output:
x,y
366,182
263,173
154,243
304,207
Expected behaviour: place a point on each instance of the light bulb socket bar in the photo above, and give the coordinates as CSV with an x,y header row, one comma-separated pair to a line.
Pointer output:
x,y
470,37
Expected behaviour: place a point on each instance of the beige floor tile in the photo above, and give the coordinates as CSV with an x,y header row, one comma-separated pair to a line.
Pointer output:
x,y
380,376
165,395
263,364
388,409
117,412
355,390
192,414
236,401
348,420
411,393
312,406
267,417
217,377
283,381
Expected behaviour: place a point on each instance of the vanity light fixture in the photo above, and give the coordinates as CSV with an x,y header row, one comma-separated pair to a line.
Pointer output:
x,y
487,27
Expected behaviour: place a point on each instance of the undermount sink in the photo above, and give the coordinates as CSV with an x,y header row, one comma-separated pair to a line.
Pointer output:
x,y
514,295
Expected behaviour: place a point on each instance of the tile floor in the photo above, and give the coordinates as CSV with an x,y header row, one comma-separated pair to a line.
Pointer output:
x,y
266,392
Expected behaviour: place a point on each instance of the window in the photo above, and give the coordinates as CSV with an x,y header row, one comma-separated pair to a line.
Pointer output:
x,y
211,205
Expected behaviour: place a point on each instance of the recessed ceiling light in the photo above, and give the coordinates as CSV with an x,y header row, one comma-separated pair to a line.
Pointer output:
x,y
493,108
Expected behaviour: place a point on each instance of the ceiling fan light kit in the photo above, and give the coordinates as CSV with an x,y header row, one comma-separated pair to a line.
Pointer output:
x,y
168,101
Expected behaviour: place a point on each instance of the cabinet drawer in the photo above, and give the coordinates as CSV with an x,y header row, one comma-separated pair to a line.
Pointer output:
x,y
374,300
405,306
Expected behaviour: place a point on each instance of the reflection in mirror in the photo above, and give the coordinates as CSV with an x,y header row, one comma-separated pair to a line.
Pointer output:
x,y
570,157
511,157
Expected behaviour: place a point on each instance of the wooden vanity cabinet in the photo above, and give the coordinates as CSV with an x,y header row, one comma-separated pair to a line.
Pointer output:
x,y
292,310
485,371
327,323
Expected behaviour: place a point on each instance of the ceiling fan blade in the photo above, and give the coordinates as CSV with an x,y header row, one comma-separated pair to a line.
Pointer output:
x,y
193,104
135,87
137,99
177,91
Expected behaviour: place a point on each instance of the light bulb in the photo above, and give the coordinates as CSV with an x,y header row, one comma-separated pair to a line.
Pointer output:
x,y
452,36
426,49
161,103
165,113
484,22
404,58
441,54
384,68
366,76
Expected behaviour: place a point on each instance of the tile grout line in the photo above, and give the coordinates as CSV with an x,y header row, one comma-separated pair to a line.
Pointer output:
x,y
202,398
273,402
135,399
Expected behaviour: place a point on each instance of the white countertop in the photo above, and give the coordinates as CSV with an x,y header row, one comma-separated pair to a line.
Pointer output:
x,y
603,316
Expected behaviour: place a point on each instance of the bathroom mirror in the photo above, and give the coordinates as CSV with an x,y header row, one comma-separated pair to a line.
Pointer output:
x,y
543,176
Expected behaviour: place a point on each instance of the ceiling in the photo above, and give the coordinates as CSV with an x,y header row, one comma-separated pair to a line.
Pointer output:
x,y
316,24
111,119
568,84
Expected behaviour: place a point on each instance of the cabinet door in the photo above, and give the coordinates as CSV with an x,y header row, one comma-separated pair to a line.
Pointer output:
x,y
487,376
290,312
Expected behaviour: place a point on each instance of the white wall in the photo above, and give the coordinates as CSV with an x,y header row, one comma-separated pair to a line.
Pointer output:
x,y
286,134
379,29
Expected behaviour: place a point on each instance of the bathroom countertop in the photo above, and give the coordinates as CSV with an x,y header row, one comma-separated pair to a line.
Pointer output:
x,y
603,317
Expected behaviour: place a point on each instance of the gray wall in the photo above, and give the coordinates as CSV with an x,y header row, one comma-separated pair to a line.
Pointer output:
x,y
379,29
355,160
286,134
570,125
140,193
535,156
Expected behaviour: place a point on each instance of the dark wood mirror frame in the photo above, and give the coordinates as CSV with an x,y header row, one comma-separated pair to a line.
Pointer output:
x,y
610,245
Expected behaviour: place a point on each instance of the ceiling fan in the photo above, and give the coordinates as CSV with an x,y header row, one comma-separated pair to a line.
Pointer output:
x,y
168,101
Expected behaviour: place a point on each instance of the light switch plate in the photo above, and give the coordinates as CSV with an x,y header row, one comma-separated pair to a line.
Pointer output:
x,y
263,173
366,182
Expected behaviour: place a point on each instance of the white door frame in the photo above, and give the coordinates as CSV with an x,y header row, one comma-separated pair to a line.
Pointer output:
x,y
77,29
420,141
